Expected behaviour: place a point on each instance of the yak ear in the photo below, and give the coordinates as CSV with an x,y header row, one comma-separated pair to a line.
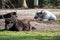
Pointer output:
x,y
40,12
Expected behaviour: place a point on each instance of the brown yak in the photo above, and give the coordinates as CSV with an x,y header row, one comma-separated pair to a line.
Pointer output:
x,y
19,25
14,24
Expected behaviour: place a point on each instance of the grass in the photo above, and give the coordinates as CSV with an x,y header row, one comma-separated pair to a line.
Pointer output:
x,y
13,35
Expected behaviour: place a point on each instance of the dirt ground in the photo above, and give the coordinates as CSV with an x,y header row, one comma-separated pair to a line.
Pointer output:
x,y
46,27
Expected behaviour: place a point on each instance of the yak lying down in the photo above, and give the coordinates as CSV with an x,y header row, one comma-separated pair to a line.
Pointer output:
x,y
45,15
14,24
21,25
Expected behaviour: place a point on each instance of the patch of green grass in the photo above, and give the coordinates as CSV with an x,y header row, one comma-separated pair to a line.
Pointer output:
x,y
13,35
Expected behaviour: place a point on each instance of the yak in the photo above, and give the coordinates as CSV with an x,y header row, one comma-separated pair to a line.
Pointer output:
x,y
21,25
7,18
45,15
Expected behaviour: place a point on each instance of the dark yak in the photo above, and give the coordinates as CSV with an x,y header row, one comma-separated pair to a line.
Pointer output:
x,y
7,18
